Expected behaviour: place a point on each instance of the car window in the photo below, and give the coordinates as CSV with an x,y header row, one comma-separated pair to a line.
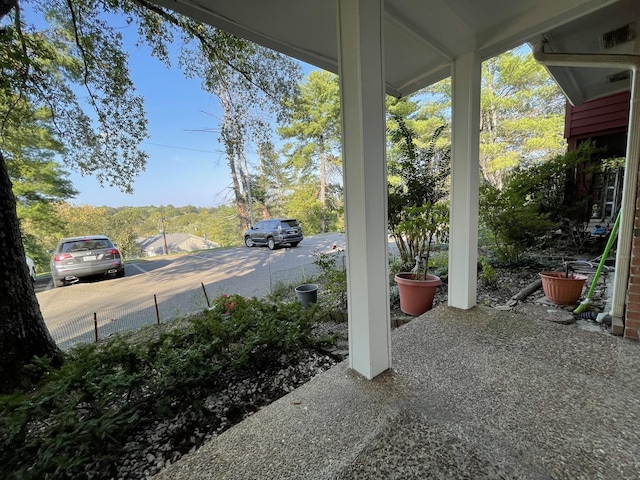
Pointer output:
x,y
100,244
259,225
290,224
81,245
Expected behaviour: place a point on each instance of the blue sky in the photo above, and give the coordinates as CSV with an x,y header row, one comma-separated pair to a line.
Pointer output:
x,y
186,164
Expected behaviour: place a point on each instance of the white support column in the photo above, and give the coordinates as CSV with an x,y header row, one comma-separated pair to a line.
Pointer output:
x,y
465,169
361,68
629,205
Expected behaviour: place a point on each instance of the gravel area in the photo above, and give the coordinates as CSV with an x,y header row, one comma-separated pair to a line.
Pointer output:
x,y
164,443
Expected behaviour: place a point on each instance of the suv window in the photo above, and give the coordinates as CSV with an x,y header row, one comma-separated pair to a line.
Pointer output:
x,y
290,224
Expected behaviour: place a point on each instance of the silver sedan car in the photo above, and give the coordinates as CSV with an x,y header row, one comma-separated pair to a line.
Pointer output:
x,y
79,257
32,268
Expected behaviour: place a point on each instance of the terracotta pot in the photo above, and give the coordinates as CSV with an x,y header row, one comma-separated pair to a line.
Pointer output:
x,y
416,293
560,289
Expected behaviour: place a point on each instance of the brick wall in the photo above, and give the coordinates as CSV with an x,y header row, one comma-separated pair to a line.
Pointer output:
x,y
632,314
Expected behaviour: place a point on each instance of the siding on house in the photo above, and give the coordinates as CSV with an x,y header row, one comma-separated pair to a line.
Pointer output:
x,y
601,119
597,118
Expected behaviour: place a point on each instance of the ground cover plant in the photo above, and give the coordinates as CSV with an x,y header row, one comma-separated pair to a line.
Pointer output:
x,y
84,419
128,407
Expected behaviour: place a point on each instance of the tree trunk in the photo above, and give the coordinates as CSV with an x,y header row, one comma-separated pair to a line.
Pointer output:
x,y
23,333
231,136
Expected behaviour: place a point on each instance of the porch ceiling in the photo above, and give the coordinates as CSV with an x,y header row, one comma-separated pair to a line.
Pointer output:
x,y
422,37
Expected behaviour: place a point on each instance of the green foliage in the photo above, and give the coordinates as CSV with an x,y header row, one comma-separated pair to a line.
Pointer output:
x,y
126,242
395,266
84,412
334,277
513,226
535,199
521,113
439,263
281,291
417,188
488,274
71,77
313,121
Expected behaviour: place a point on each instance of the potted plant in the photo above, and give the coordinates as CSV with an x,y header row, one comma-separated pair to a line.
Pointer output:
x,y
418,213
562,288
417,287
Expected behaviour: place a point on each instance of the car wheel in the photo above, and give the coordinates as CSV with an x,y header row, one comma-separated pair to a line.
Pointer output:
x,y
248,242
294,244
271,243
120,273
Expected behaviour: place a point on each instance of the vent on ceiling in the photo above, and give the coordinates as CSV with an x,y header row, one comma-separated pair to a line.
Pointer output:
x,y
619,76
617,37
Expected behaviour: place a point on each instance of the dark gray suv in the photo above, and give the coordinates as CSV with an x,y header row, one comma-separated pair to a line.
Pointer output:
x,y
78,257
274,232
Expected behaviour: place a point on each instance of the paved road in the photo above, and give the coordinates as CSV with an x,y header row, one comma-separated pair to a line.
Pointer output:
x,y
176,282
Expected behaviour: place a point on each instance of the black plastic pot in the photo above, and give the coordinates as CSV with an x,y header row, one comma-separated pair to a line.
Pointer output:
x,y
307,294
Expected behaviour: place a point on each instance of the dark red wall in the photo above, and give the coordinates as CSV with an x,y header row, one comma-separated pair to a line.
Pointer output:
x,y
597,118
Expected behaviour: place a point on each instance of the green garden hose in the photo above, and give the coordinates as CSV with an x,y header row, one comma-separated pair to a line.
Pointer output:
x,y
584,305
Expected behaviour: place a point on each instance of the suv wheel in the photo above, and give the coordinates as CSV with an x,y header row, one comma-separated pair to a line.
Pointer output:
x,y
248,242
271,243
294,244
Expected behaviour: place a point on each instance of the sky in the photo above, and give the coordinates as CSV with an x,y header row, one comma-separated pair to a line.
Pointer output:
x,y
186,164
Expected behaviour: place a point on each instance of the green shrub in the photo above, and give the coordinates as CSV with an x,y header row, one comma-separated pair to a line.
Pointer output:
x,y
281,292
418,185
536,199
439,263
84,412
333,276
514,225
488,274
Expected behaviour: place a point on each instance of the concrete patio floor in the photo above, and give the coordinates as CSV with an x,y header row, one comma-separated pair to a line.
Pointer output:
x,y
472,394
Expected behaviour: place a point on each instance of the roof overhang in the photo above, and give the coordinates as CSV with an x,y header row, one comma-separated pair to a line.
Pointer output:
x,y
423,37
591,57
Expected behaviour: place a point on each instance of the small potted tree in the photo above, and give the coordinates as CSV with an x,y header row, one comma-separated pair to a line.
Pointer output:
x,y
417,287
418,213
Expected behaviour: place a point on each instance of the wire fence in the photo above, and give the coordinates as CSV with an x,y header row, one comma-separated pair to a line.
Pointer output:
x,y
96,326
99,325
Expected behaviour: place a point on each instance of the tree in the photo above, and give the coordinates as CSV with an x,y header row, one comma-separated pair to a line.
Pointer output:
x,y
314,121
534,200
274,181
417,184
247,97
42,72
23,334
83,219
38,180
38,69
522,113
37,185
